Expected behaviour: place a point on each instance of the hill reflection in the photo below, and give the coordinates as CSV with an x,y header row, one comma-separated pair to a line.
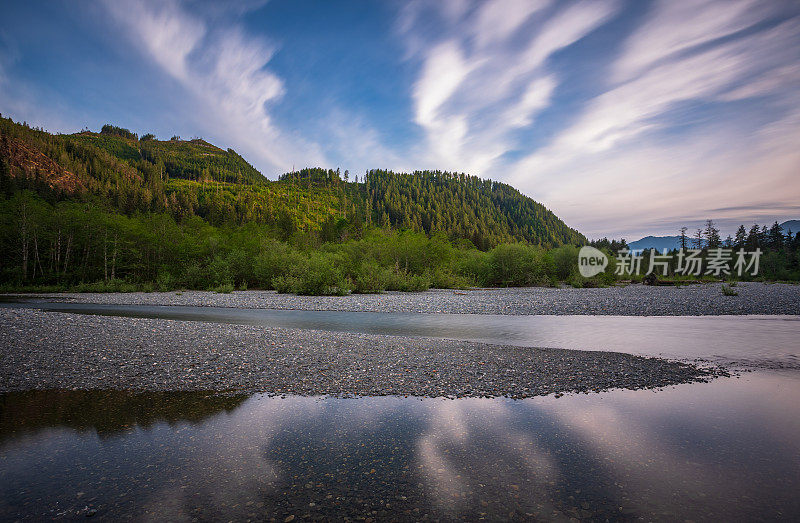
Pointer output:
x,y
107,412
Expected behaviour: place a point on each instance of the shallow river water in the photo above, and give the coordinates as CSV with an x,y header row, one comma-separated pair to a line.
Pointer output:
x,y
728,450
749,340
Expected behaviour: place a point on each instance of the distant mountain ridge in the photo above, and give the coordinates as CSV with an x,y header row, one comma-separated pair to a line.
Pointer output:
x,y
660,243
791,225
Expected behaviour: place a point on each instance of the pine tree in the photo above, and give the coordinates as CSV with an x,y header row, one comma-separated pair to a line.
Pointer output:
x,y
775,237
683,238
741,237
712,235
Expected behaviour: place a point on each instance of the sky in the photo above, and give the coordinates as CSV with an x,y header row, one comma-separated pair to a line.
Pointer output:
x,y
625,118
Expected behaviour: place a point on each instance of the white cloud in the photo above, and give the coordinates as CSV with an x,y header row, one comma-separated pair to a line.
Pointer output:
x,y
609,173
444,69
483,75
496,21
676,26
225,71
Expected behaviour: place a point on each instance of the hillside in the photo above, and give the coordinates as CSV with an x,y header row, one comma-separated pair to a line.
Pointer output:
x,y
118,169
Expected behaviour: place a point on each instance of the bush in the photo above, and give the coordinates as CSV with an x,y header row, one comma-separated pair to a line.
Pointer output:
x,y
443,278
225,288
286,284
727,290
409,282
517,264
195,277
165,281
475,266
277,259
323,277
371,277
565,261
115,285
318,275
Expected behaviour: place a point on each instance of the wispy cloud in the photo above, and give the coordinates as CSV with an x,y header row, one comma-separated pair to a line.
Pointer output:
x,y
615,164
623,117
483,74
673,27
226,72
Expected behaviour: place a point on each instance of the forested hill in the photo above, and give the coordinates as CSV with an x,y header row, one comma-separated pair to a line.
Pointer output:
x,y
116,169
483,211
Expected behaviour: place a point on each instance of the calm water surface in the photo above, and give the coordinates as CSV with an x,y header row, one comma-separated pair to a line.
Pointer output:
x,y
721,451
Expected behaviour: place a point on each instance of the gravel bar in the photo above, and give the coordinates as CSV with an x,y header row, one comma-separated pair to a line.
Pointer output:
x,y
52,350
631,300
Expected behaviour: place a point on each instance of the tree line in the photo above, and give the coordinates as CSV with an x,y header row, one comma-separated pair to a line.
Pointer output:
x,y
77,245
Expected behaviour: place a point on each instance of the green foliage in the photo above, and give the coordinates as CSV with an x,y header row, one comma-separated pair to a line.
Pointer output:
x,y
113,130
107,212
186,178
370,277
224,288
463,206
727,290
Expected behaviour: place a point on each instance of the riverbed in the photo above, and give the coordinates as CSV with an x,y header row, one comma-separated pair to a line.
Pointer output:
x,y
122,407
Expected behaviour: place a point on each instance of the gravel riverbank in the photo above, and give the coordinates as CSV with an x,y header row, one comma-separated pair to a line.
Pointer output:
x,y
632,300
49,350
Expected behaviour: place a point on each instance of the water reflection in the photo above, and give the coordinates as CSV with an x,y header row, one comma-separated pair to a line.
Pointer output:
x,y
717,451
107,412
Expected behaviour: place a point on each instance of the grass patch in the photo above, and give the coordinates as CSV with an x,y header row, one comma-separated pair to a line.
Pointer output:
x,y
727,290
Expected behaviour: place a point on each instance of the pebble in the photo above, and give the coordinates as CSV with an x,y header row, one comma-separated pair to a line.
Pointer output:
x,y
54,350
629,300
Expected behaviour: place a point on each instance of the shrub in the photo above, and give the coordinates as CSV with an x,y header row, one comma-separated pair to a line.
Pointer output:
x,y
371,277
225,288
475,266
516,265
286,284
323,277
565,261
404,281
165,281
195,277
727,290
276,259
318,275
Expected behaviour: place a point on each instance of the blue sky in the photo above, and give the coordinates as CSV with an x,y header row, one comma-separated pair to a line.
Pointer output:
x,y
624,118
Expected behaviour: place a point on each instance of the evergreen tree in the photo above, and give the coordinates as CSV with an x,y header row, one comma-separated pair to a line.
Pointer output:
x,y
775,237
711,233
740,238
684,240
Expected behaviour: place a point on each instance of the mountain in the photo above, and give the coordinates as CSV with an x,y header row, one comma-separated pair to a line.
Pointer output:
x,y
658,243
115,168
791,225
